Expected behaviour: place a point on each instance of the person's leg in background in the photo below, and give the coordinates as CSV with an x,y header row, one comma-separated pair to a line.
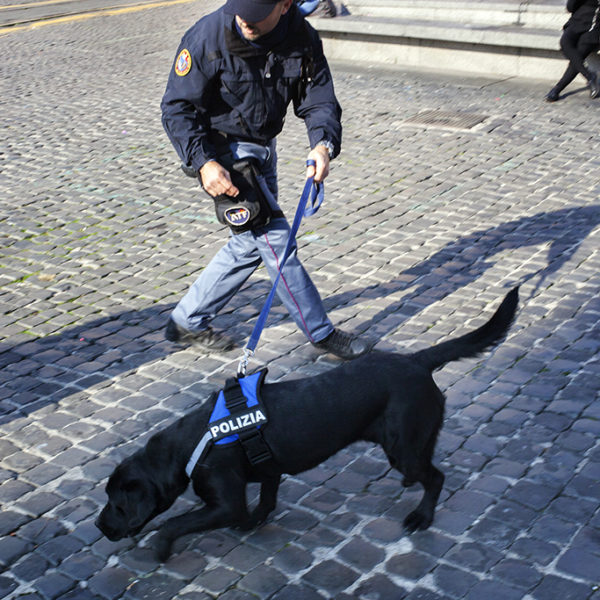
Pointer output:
x,y
576,51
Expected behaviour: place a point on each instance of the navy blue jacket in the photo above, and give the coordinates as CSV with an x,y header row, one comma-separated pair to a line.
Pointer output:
x,y
220,82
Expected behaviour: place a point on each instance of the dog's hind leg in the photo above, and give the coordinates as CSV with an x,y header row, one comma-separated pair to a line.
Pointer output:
x,y
266,504
432,480
409,454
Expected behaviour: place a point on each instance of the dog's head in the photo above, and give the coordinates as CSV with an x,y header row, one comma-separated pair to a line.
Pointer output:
x,y
133,500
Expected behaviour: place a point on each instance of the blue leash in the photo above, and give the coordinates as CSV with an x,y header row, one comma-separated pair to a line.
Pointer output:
x,y
310,201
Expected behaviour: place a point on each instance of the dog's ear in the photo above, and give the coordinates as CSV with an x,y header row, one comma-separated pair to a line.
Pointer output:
x,y
140,502
132,485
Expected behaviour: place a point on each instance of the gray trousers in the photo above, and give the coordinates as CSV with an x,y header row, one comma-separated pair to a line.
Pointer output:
x,y
244,252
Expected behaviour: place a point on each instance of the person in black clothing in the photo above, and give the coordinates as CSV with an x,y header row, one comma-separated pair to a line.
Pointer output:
x,y
581,37
237,70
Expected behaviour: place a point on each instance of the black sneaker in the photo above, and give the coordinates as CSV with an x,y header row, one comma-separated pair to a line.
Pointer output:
x,y
595,85
344,345
208,338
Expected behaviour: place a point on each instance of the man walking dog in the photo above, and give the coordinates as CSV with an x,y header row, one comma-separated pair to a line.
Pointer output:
x,y
236,72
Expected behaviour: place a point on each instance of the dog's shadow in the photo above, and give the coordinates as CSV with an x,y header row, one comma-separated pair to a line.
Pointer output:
x,y
54,367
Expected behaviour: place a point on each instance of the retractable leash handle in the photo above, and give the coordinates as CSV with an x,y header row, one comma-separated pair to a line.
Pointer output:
x,y
310,202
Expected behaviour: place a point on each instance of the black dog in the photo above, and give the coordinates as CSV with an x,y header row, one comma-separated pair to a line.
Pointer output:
x,y
388,399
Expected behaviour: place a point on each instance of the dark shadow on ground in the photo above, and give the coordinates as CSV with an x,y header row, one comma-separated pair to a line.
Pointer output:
x,y
47,369
468,258
580,90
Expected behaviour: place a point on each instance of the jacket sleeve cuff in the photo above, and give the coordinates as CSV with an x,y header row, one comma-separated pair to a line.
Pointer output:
x,y
204,152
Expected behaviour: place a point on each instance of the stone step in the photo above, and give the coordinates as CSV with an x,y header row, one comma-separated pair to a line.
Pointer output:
x,y
505,39
549,15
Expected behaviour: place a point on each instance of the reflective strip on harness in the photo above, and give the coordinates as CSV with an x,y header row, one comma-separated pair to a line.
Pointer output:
x,y
237,415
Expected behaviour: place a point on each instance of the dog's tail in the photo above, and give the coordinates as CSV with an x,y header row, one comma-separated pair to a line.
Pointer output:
x,y
471,344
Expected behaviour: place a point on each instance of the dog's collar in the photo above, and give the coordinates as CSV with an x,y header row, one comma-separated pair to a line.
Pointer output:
x,y
238,415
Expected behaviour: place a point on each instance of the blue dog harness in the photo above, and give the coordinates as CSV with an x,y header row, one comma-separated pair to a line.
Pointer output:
x,y
237,416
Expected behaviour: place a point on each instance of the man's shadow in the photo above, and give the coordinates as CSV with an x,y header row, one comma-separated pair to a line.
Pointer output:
x,y
463,261
56,366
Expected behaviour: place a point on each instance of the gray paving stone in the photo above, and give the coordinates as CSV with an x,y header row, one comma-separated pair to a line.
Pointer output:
x,y
384,530
43,474
87,532
156,586
413,565
7,585
474,556
297,592
292,559
498,534
330,576
375,505
263,581
297,520
81,566
30,567
494,589
244,558
320,537
516,574
362,554
53,585
539,551
424,594
454,581
217,580
553,588
13,489
110,582
78,593
59,548
380,586
37,503
193,596
215,544
22,461
12,548
579,563
10,521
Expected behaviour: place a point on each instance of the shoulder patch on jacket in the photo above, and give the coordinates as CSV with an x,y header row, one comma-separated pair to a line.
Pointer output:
x,y
183,64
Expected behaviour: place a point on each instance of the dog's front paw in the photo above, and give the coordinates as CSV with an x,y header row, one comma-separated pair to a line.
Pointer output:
x,y
257,517
162,547
417,520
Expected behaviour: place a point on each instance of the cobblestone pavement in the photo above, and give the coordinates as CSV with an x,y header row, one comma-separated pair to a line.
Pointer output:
x,y
423,230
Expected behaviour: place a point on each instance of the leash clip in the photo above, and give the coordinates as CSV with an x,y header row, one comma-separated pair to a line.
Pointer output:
x,y
242,366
